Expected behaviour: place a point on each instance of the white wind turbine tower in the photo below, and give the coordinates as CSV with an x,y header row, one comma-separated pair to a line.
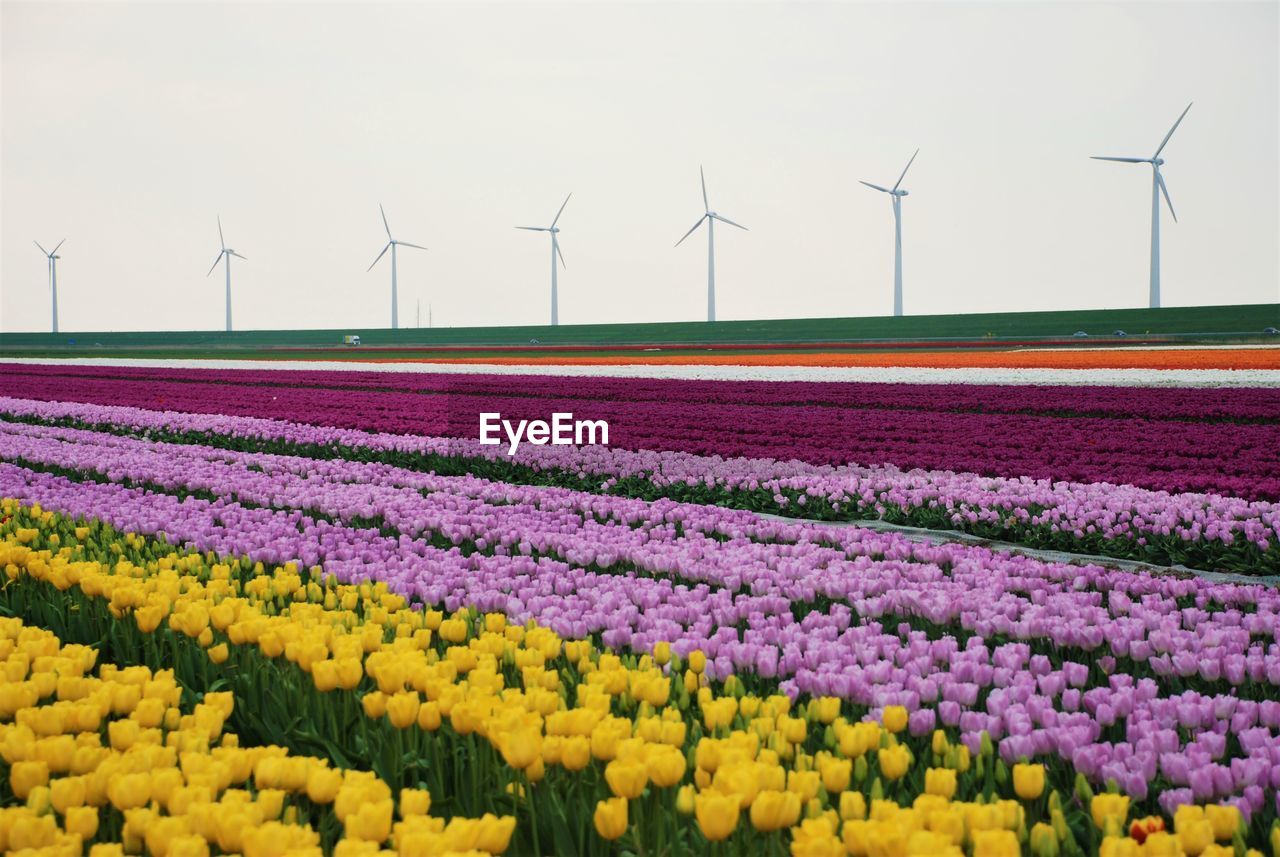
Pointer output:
x,y
391,244
710,217
53,258
225,254
555,251
896,195
1157,188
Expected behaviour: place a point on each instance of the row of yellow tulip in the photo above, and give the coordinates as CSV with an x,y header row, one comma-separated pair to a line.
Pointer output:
x,y
562,723
109,757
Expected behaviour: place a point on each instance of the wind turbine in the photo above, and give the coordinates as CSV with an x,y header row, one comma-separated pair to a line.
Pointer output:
x,y
555,251
1157,187
392,243
53,258
896,196
710,217
225,254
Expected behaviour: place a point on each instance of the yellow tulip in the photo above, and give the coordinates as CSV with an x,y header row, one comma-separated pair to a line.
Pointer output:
x,y
853,806
626,779
81,820
325,675
685,800
940,782
665,766
794,729
894,718
271,644
25,776
611,817
491,834
402,709
1044,840
350,672
1226,820
576,752
453,630
697,661
370,822
429,716
804,783
740,779
717,814
522,747
1109,806
1196,836
662,653
38,800
835,774
123,734
56,751
996,843
375,704
1028,781
1162,844
825,708
323,784
774,810
881,838
67,792
129,791
894,761
414,802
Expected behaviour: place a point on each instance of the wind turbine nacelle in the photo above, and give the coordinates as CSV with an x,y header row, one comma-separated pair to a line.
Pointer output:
x,y
903,192
1157,161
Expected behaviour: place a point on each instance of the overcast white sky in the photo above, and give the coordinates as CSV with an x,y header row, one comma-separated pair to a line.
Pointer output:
x,y
126,127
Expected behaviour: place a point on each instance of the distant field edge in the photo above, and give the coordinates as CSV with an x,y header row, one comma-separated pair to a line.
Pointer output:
x,y
1242,322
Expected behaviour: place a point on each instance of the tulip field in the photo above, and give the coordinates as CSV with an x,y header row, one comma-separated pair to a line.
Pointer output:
x,y
270,611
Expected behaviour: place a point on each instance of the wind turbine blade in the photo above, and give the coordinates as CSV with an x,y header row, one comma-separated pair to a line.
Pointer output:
x,y
904,170
1165,141
385,225
690,232
215,264
1165,191
237,255
875,187
1121,160
534,228
561,211
222,241
407,244
42,250
705,203
728,221
60,243
380,255
556,244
